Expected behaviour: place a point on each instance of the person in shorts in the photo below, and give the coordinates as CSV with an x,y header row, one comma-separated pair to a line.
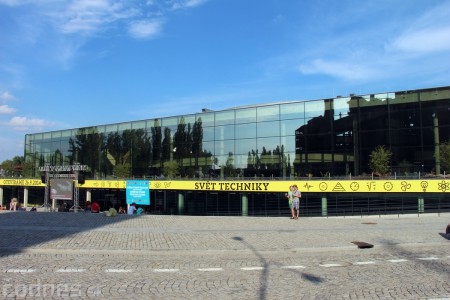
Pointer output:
x,y
296,201
290,199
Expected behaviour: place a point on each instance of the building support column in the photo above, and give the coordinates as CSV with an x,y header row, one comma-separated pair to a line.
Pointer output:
x,y
420,205
25,198
324,206
437,155
181,204
244,205
1,196
88,195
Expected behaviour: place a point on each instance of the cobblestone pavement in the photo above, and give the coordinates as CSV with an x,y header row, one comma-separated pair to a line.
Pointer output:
x,y
78,255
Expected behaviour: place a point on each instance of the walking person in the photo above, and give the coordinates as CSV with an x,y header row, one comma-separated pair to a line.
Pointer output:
x,y
289,196
296,201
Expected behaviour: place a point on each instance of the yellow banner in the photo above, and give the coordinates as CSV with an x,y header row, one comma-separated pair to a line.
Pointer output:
x,y
22,182
104,184
311,186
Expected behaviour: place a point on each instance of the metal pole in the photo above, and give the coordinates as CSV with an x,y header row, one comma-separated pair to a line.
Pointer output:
x,y
46,194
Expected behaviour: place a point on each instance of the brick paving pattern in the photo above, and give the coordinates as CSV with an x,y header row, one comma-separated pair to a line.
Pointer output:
x,y
91,256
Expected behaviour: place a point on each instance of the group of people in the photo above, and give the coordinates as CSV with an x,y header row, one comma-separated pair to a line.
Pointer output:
x,y
94,207
293,197
133,210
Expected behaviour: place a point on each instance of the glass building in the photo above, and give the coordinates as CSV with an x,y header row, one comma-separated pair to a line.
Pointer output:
x,y
327,137
302,142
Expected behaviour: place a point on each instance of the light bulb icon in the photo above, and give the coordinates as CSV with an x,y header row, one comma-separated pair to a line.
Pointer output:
x,y
424,185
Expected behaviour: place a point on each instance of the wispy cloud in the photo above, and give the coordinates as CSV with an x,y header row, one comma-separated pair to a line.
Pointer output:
x,y
5,110
24,123
187,3
88,17
74,23
358,57
341,69
428,34
145,29
7,96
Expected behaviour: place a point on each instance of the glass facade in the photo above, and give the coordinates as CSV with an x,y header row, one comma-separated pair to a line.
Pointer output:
x,y
327,137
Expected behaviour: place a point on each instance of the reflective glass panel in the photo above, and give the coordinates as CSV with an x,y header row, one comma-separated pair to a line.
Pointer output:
x,y
341,107
240,161
56,134
169,122
265,129
245,131
208,147
245,145
288,127
189,119
268,113
225,117
208,133
292,110
138,125
373,100
224,147
111,128
269,144
289,143
124,126
207,119
315,108
224,132
245,115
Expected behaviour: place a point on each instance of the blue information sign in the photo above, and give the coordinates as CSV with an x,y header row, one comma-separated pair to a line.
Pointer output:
x,y
138,192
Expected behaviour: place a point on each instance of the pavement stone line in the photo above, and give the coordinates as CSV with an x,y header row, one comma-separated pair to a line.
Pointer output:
x,y
328,264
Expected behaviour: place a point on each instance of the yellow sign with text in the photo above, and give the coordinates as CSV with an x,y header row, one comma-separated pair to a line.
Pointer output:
x,y
316,186
22,182
311,186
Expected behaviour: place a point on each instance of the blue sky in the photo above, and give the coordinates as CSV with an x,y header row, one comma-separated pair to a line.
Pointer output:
x,y
67,64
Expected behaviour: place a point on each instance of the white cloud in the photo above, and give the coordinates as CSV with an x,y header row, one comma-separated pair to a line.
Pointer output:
x,y
13,2
145,29
5,110
88,17
339,68
400,49
187,4
24,123
424,41
6,96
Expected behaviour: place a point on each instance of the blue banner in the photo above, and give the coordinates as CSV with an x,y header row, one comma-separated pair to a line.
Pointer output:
x,y
138,191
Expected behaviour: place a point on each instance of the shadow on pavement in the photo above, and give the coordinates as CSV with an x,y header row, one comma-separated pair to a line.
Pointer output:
x,y
26,230
427,262
444,235
264,278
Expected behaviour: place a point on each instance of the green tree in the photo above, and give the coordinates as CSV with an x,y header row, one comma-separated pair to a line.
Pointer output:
x,y
122,170
13,167
171,168
380,160
444,156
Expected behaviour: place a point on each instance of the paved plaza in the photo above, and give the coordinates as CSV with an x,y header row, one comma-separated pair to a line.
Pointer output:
x,y
90,256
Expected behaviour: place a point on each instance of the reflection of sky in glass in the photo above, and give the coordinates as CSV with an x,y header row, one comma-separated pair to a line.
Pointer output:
x,y
268,113
224,132
292,110
246,115
245,145
245,131
265,129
